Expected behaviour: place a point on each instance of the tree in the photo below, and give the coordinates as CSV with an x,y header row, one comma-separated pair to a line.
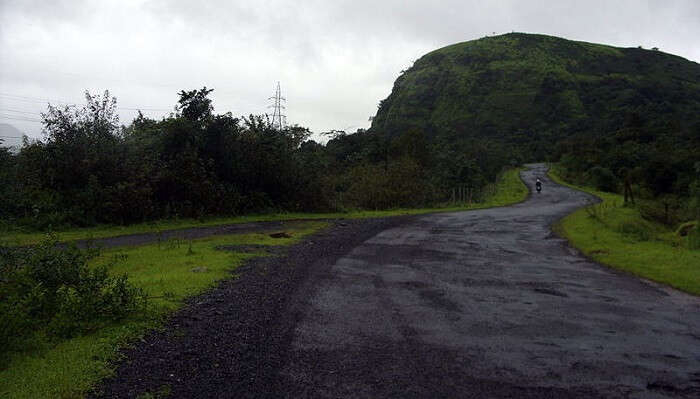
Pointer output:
x,y
95,121
81,156
195,105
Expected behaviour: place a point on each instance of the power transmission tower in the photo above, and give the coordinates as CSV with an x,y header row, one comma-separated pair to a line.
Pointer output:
x,y
279,120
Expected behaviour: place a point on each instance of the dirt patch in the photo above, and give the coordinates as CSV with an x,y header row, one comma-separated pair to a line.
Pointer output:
x,y
252,248
192,233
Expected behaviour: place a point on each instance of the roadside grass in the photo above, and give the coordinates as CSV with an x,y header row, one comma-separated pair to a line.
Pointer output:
x,y
170,272
508,190
618,236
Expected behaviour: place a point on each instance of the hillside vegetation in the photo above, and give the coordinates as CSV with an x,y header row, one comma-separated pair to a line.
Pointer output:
x,y
620,119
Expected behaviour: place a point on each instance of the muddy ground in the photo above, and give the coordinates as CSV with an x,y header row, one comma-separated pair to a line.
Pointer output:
x,y
483,304
191,233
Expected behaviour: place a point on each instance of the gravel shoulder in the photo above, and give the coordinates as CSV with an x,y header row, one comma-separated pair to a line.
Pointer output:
x,y
486,303
233,340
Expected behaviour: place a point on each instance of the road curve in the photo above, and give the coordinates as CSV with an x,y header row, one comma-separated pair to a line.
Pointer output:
x,y
478,304
490,303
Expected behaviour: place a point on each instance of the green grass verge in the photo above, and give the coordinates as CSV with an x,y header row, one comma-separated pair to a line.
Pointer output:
x,y
509,189
618,236
169,272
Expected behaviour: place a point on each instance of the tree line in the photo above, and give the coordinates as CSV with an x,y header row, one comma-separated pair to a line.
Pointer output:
x,y
90,169
648,157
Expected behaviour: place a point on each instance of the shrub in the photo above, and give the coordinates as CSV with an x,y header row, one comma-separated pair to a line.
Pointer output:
x,y
402,184
50,289
663,212
603,179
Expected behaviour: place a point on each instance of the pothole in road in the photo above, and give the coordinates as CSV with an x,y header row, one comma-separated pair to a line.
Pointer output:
x,y
549,291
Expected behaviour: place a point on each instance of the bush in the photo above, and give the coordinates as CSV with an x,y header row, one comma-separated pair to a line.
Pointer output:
x,y
662,212
603,179
402,184
50,289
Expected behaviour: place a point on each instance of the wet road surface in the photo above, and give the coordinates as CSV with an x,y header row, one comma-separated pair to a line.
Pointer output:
x,y
478,304
490,303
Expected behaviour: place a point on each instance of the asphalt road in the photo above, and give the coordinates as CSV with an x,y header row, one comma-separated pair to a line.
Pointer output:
x,y
490,303
478,304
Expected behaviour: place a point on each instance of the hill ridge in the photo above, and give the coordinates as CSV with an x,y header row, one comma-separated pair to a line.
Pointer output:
x,y
499,85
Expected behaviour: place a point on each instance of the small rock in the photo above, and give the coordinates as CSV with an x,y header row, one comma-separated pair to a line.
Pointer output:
x,y
199,269
281,234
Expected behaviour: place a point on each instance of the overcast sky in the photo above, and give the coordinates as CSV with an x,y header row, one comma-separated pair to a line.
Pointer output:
x,y
335,60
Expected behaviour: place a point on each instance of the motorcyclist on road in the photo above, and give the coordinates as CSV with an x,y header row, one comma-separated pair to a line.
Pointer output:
x,y
538,185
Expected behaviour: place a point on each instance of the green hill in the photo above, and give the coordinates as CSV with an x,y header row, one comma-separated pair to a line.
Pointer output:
x,y
532,91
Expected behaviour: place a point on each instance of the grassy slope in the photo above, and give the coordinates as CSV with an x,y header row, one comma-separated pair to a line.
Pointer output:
x,y
72,367
597,232
511,86
508,190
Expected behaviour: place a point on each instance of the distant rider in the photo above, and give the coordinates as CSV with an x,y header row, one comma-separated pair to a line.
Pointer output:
x,y
538,185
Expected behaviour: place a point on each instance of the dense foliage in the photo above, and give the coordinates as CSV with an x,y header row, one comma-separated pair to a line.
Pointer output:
x,y
89,169
49,292
613,116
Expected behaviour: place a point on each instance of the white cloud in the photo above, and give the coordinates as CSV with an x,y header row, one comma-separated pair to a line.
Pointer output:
x,y
335,59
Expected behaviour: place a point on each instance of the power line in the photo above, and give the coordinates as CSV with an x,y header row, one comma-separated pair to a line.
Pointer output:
x,y
27,97
11,97
145,109
19,112
38,101
16,97
19,118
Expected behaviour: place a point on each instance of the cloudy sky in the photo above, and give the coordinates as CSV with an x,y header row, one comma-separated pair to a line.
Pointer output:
x,y
335,60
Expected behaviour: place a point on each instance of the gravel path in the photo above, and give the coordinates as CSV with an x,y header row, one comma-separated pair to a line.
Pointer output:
x,y
482,304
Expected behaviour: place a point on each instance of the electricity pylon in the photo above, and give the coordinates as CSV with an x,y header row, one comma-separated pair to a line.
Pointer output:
x,y
279,120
